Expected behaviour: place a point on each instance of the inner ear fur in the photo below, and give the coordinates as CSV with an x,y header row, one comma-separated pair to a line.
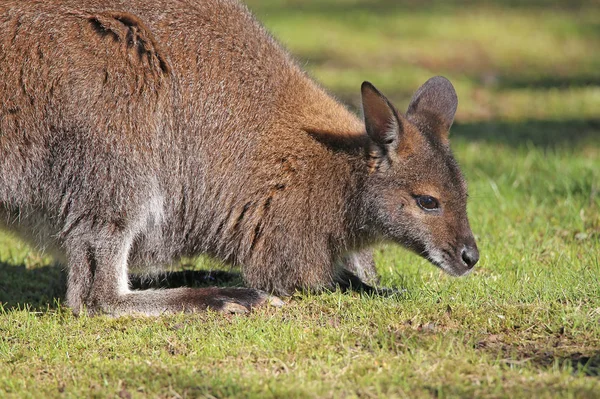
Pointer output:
x,y
391,136
381,119
433,106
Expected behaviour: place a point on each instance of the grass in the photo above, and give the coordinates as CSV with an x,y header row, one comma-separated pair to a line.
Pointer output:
x,y
526,323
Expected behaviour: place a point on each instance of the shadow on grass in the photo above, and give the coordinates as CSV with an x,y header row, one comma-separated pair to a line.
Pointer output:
x,y
540,133
544,134
43,288
516,81
186,278
587,364
553,351
576,363
40,288
342,8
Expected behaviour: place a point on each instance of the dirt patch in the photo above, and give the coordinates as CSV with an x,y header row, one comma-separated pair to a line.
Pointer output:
x,y
554,351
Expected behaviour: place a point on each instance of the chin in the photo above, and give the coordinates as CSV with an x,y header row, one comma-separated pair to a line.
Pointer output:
x,y
456,271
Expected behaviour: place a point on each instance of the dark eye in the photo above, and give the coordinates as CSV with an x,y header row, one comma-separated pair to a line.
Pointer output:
x,y
428,203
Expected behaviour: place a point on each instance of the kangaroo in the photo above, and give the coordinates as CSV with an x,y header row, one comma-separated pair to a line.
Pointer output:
x,y
136,132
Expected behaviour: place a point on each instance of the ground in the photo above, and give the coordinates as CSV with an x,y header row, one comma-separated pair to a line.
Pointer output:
x,y
526,323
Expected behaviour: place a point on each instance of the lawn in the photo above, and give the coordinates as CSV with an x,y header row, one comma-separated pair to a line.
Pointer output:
x,y
526,323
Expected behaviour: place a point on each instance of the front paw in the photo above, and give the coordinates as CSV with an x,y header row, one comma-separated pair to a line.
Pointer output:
x,y
388,292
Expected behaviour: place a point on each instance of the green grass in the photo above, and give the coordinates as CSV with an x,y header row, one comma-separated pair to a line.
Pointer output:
x,y
526,323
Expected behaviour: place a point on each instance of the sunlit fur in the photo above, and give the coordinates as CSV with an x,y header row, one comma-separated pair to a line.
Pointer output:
x,y
133,133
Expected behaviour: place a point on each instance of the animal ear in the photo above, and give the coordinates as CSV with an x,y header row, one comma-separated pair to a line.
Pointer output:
x,y
381,120
433,107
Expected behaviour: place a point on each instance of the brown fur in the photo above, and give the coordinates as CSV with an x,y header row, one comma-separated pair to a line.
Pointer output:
x,y
136,132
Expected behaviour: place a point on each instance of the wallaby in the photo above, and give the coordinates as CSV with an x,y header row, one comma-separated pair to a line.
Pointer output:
x,y
136,132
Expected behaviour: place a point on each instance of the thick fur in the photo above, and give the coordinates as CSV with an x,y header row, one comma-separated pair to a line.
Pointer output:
x,y
136,132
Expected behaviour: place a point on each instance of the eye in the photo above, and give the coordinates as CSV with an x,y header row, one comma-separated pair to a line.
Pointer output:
x,y
427,202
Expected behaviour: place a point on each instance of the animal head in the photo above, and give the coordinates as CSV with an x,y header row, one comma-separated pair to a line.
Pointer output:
x,y
415,192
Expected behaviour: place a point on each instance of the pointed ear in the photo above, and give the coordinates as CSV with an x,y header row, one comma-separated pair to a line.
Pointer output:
x,y
433,106
381,120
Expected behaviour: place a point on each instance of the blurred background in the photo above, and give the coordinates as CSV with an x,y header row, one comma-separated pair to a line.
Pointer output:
x,y
512,62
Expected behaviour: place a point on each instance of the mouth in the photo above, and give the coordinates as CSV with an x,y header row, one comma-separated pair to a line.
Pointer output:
x,y
447,262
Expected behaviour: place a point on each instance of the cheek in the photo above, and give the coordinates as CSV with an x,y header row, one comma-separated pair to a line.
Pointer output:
x,y
396,206
410,214
442,231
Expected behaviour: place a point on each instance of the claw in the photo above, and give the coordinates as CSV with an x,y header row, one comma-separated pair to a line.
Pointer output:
x,y
234,308
274,301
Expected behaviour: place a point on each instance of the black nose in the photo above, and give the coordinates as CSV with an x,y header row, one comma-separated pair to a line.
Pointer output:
x,y
470,256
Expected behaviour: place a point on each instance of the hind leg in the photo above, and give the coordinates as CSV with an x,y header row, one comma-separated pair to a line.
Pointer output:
x,y
79,277
98,281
